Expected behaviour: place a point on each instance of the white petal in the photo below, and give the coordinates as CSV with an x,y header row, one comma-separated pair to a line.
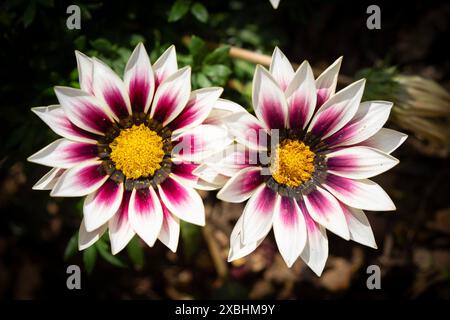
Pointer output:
x,y
165,66
369,118
337,111
359,162
281,69
301,97
289,229
85,70
111,90
258,215
84,110
120,230
88,238
139,79
64,153
240,187
200,142
362,194
221,110
101,205
327,81
182,201
80,180
359,226
170,230
248,130
172,96
237,248
145,214
55,117
325,209
197,109
386,140
48,181
269,101
315,253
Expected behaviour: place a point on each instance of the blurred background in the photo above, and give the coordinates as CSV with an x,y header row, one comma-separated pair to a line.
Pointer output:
x,y
38,233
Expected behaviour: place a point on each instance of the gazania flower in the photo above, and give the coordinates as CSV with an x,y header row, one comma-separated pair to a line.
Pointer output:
x,y
305,161
128,146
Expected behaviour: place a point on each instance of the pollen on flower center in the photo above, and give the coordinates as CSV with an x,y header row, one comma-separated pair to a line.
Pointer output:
x,y
293,163
137,151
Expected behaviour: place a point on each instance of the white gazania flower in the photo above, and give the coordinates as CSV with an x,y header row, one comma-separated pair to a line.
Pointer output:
x,y
305,161
121,148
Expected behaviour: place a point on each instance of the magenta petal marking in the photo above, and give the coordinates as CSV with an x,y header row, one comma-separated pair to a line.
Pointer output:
x,y
80,151
94,117
68,126
288,212
345,163
322,96
138,91
174,192
297,113
187,116
90,175
320,203
251,181
310,223
116,102
265,201
143,202
184,170
273,114
342,135
124,208
107,192
340,184
326,122
165,106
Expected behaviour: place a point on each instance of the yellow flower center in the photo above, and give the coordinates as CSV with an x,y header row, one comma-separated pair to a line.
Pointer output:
x,y
293,163
137,151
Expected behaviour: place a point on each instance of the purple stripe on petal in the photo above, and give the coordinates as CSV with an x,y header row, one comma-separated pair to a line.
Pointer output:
x,y
320,203
177,194
80,151
340,184
288,212
272,112
342,163
116,102
94,117
107,193
326,121
143,202
90,175
252,180
342,135
124,208
188,115
138,91
184,170
322,96
68,126
265,201
298,112
310,223
165,106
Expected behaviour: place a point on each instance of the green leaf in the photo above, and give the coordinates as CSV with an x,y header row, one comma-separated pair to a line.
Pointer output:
x,y
197,48
199,11
29,14
71,247
218,56
218,74
136,253
103,249
202,81
90,258
179,10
